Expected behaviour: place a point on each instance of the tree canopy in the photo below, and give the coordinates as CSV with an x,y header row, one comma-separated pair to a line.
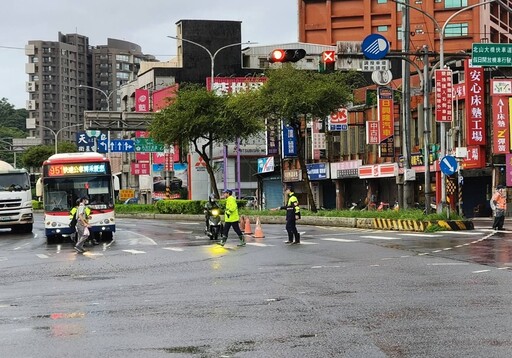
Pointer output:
x,y
34,157
291,95
200,117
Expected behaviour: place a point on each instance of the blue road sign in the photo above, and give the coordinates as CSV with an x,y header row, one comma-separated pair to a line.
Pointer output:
x,y
448,164
375,47
122,145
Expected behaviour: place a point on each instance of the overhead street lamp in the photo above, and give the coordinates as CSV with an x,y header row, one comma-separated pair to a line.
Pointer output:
x,y
212,56
56,134
104,93
212,79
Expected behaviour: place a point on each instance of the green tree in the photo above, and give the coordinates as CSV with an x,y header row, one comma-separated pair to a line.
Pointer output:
x,y
292,95
10,117
201,118
34,157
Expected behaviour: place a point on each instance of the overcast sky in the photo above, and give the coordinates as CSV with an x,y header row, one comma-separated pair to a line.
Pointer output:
x,y
146,23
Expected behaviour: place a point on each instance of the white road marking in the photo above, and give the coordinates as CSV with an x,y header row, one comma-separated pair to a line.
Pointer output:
x,y
21,246
135,252
419,235
181,232
481,271
448,264
138,239
92,254
380,237
302,242
464,232
188,223
338,240
42,256
259,244
173,249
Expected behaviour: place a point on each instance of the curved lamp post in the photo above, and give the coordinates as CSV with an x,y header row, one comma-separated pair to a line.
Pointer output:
x,y
56,134
104,93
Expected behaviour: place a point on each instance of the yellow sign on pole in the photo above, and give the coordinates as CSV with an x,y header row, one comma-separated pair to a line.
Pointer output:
x,y
125,194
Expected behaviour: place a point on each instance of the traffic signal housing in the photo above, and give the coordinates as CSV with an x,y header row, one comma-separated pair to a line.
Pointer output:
x,y
286,55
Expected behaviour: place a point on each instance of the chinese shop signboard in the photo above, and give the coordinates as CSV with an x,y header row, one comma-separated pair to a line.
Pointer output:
x,y
444,95
475,126
386,115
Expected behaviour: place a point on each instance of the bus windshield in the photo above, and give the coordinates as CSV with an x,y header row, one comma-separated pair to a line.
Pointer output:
x,y
61,194
14,182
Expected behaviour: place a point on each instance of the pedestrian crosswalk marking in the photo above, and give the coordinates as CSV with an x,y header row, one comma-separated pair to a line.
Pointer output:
x,y
135,252
42,256
259,244
380,237
418,235
339,240
174,249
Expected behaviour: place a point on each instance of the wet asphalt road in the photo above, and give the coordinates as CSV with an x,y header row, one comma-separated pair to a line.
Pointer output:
x,y
163,290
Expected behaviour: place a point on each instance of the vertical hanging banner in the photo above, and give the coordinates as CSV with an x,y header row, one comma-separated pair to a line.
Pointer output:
x,y
372,132
289,142
500,125
141,100
272,136
386,115
444,95
317,138
475,111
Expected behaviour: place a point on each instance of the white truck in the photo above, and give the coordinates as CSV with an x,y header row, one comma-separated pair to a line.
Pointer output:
x,y
16,210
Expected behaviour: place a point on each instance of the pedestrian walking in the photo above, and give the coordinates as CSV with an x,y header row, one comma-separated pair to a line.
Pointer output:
x,y
292,215
499,205
82,225
231,219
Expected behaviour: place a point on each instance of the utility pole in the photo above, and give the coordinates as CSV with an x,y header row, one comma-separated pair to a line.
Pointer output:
x,y
406,105
426,127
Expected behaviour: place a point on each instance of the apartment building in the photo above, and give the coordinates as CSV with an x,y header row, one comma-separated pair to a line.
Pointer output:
x,y
68,76
463,23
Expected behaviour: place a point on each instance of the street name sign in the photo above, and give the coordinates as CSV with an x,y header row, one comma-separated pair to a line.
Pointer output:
x,y
491,54
148,145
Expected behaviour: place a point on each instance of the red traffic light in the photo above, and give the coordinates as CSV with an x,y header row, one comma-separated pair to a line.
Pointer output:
x,y
288,55
277,56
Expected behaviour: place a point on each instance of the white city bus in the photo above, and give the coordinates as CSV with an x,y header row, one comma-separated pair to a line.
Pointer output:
x,y
67,177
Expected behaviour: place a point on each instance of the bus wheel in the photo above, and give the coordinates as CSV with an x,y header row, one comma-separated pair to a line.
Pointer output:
x,y
51,239
106,236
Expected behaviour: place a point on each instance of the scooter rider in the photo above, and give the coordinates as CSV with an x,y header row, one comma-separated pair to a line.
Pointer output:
x,y
208,207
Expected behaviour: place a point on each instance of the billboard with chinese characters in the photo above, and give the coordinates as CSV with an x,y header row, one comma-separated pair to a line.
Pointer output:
x,y
500,121
385,108
141,100
226,85
372,132
475,105
444,95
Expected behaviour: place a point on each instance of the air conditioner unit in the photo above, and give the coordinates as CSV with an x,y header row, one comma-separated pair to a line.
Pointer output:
x,y
30,86
31,105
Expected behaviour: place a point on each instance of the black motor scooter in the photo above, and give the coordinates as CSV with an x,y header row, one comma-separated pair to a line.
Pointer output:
x,y
214,228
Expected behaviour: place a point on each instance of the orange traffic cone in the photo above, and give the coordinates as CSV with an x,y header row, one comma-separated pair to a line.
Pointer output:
x,y
258,232
247,230
242,221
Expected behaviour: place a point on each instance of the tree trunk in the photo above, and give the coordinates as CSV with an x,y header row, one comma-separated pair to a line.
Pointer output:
x,y
302,161
209,169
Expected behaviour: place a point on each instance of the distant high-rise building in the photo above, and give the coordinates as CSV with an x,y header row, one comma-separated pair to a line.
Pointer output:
x,y
57,69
